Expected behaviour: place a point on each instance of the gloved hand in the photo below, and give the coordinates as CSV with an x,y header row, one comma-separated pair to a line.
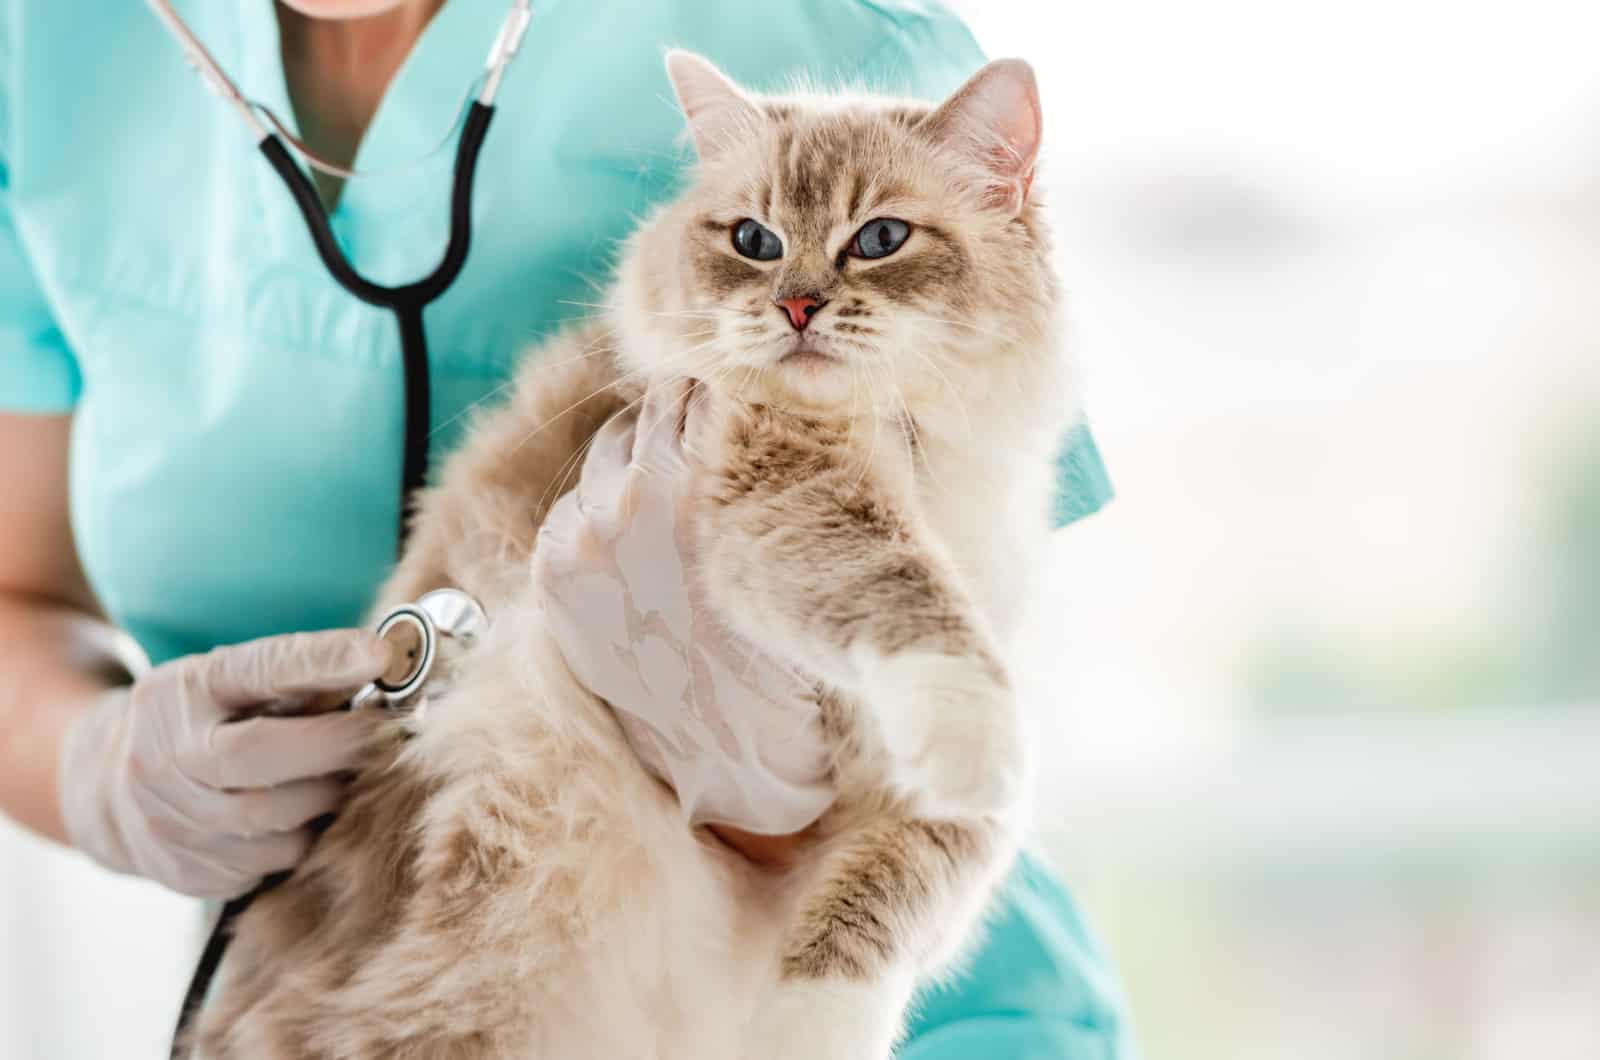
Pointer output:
x,y
735,732
157,781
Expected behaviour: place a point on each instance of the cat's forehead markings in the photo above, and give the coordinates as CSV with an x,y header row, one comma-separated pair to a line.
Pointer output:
x,y
761,195
811,164
809,181
776,172
858,188
883,197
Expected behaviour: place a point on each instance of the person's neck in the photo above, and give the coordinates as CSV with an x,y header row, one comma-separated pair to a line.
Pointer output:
x,y
337,71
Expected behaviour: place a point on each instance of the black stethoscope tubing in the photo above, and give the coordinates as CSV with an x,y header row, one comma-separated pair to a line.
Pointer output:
x,y
406,301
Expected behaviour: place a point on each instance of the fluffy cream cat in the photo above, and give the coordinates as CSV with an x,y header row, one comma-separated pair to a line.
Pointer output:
x,y
861,287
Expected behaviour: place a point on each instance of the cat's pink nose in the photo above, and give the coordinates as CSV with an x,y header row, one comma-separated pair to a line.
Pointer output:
x,y
800,309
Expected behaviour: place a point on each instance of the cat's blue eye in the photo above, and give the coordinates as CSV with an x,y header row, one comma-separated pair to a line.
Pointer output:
x,y
880,237
754,241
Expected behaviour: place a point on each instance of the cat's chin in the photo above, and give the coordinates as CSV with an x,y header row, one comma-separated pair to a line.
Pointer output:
x,y
809,360
807,382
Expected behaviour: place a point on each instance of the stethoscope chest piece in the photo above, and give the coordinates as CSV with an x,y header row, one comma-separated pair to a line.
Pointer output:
x,y
413,631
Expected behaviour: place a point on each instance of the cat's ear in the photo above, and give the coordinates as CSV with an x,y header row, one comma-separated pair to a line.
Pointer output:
x,y
994,120
716,110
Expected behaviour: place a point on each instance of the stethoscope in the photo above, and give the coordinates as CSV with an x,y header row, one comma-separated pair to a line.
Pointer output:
x,y
417,628
405,301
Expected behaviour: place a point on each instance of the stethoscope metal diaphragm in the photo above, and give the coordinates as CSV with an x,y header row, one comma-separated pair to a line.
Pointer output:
x,y
413,630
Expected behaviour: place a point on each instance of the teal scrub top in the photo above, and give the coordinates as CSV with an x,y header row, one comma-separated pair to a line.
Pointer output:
x,y
238,420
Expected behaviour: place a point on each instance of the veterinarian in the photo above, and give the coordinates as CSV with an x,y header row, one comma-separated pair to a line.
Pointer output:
x,y
202,430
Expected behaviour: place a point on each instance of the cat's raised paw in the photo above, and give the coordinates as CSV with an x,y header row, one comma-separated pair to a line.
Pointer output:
x,y
826,1020
953,729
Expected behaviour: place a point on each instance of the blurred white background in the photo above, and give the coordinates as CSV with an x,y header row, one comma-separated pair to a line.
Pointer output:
x,y
1324,681
1323,684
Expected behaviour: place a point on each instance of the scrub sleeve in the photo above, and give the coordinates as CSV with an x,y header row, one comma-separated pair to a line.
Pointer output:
x,y
37,371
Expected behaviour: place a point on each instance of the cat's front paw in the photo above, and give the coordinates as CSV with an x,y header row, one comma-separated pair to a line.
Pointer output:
x,y
952,728
826,1020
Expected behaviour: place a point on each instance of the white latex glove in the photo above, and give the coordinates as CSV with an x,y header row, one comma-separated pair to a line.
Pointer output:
x,y
156,781
733,731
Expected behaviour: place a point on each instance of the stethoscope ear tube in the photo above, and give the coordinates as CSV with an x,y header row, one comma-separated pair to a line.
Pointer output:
x,y
211,74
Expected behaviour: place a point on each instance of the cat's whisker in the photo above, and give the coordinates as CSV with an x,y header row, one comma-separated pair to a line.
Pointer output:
x,y
750,376
873,421
919,448
704,396
622,378
709,314
671,410
717,314
615,383
555,488
471,406
680,358
574,461
1001,336
564,478
596,347
955,392
855,385
611,306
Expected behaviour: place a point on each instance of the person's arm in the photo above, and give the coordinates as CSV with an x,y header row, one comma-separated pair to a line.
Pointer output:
x,y
175,777
54,656
45,602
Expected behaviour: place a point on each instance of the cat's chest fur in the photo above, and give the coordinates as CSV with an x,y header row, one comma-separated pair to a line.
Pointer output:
x,y
988,517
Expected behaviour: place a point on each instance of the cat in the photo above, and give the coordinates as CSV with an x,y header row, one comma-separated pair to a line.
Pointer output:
x,y
862,289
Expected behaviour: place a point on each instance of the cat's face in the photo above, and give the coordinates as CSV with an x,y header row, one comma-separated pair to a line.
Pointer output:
x,y
845,253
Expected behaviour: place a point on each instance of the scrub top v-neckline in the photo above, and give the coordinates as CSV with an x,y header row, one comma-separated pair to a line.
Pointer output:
x,y
405,154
